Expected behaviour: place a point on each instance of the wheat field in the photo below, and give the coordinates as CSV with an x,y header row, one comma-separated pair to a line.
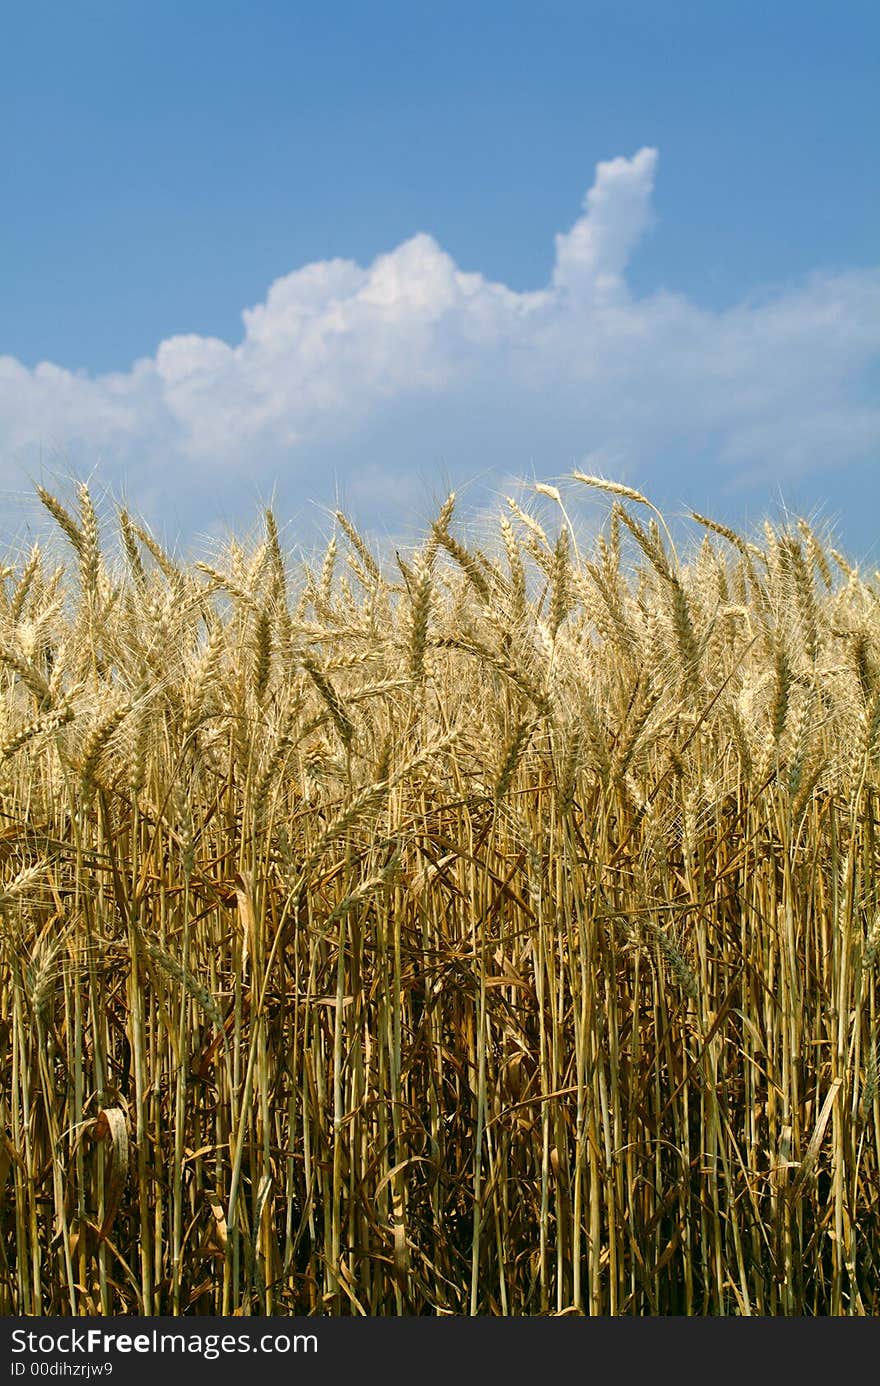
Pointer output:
x,y
491,930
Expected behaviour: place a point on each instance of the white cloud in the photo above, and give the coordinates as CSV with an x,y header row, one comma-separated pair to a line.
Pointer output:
x,y
592,256
383,371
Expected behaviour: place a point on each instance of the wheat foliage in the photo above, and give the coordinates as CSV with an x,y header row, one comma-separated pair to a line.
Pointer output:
x,y
502,940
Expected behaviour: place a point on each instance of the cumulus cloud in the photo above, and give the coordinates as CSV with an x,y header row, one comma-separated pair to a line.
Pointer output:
x,y
380,372
592,256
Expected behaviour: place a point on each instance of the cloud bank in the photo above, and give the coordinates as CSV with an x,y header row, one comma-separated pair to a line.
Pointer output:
x,y
378,373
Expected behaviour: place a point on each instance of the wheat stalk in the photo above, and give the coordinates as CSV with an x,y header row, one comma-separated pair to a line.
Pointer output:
x,y
500,941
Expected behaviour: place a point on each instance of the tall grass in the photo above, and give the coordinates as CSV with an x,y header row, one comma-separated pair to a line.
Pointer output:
x,y
492,933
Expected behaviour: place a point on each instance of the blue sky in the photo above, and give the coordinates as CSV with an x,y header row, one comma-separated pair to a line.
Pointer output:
x,y
380,189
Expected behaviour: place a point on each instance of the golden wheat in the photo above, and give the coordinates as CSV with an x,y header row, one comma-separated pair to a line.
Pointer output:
x,y
499,941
